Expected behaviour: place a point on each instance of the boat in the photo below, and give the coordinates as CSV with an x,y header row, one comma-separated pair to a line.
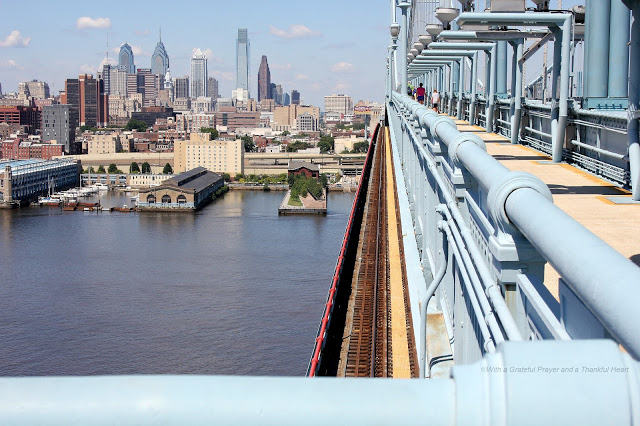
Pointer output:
x,y
101,186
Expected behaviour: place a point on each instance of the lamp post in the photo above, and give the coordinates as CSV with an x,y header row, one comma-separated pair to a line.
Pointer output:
x,y
394,29
404,5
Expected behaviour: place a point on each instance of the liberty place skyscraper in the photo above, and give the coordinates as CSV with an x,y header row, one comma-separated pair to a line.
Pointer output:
x,y
242,60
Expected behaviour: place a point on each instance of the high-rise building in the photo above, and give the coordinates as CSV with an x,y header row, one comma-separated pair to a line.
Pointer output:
x,y
212,88
276,94
33,89
86,95
149,85
125,59
286,99
59,123
242,60
159,59
181,87
295,97
264,80
340,104
198,74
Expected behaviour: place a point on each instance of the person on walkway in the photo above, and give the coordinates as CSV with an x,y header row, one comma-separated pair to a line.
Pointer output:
x,y
435,100
420,92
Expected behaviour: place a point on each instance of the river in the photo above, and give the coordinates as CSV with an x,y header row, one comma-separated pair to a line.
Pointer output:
x,y
231,289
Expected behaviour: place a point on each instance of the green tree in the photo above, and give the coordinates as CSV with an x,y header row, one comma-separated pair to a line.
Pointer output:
x,y
101,170
285,133
358,126
248,143
360,147
239,176
146,167
136,125
294,147
226,176
91,170
323,180
326,143
134,168
112,168
167,170
212,131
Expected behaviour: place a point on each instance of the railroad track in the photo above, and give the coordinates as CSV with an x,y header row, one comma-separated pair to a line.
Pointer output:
x,y
369,346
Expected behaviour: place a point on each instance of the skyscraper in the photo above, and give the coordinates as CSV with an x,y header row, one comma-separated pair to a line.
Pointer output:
x,y
242,60
181,87
295,97
286,99
34,89
86,95
277,94
59,123
159,59
198,74
125,59
212,88
264,80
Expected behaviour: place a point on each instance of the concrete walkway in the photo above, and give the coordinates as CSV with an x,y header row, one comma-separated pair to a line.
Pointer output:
x,y
581,195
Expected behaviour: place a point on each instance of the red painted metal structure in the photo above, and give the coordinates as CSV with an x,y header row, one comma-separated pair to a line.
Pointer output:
x,y
326,319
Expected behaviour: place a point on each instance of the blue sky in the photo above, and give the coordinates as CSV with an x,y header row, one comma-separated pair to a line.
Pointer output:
x,y
318,48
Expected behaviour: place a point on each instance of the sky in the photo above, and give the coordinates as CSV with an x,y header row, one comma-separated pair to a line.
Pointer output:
x,y
318,48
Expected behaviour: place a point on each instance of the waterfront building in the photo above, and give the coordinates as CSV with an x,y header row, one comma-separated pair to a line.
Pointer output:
x,y
199,75
181,87
303,168
20,115
160,59
125,59
212,89
24,180
59,124
295,97
189,190
19,149
264,80
86,95
146,180
220,156
341,104
33,89
242,60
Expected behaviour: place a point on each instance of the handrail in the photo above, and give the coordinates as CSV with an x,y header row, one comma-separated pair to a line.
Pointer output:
x,y
604,280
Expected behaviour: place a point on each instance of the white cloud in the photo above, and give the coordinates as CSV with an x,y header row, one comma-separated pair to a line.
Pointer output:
x,y
85,22
10,63
110,61
283,67
223,75
15,39
142,33
209,55
88,69
302,77
343,68
341,88
294,32
138,51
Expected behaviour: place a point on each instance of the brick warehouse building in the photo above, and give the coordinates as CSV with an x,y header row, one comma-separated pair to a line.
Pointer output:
x,y
30,117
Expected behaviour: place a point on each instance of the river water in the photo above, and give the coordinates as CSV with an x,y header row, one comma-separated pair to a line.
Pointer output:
x,y
231,289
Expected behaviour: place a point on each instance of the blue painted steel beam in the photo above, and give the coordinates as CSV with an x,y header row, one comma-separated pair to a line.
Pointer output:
x,y
619,33
597,67
633,126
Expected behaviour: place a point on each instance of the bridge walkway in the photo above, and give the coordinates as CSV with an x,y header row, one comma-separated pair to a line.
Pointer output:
x,y
601,207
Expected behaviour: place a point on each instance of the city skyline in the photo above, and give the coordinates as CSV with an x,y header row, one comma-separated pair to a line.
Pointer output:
x,y
317,53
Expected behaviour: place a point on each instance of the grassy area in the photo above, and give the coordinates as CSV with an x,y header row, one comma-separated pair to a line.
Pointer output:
x,y
295,201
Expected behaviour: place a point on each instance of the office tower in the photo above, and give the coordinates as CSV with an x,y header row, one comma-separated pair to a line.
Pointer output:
x,y
198,74
0,88
242,60
149,85
159,59
59,123
126,59
295,97
272,91
340,104
276,94
264,80
86,95
212,88
181,87
286,99
34,89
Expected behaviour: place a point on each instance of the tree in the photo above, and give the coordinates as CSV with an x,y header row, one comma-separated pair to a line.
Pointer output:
x,y
168,170
213,133
134,168
285,133
294,147
326,143
323,180
101,170
360,147
91,170
227,177
112,168
146,167
137,125
358,126
248,143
